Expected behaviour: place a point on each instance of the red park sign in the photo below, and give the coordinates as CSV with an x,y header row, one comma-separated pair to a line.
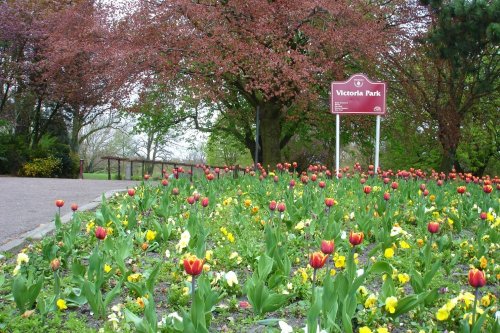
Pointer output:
x,y
358,95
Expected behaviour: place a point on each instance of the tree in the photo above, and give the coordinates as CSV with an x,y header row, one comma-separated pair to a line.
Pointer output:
x,y
275,55
447,70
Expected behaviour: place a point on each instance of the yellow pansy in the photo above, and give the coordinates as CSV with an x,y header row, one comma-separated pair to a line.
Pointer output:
x,y
403,278
483,262
61,304
340,262
404,245
442,314
390,304
150,235
371,301
389,252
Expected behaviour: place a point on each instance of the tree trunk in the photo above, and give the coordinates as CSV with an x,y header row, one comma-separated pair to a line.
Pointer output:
x,y
270,135
76,126
449,122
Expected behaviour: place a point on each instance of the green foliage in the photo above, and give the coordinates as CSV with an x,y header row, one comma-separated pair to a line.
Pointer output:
x,y
42,167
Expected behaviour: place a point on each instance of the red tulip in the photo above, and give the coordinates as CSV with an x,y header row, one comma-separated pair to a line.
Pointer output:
x,y
193,265
477,279
272,205
317,260
100,233
327,246
483,215
164,182
314,177
329,202
292,183
387,196
74,207
146,177
394,185
439,182
131,192
367,189
294,164
356,238
425,193
461,189
281,207
276,179
487,189
204,202
175,191
433,227
190,200
59,203
322,184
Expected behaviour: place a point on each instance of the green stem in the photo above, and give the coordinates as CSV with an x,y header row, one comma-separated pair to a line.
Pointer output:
x,y
476,295
193,287
313,286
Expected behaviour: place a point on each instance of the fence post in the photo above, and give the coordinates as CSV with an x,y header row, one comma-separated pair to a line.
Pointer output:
x,y
131,169
119,169
142,176
81,168
235,171
191,175
109,169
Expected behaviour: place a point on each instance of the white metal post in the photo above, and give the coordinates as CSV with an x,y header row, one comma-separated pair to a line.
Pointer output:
x,y
377,143
337,144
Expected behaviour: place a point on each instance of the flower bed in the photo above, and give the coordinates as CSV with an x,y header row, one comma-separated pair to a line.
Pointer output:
x,y
404,252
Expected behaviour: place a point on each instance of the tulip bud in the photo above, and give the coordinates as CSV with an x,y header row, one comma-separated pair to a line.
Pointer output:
x,y
317,260
100,233
74,207
164,182
204,202
477,279
321,184
425,193
190,200
281,207
175,191
314,177
387,196
272,205
294,164
196,196
461,189
276,179
367,189
144,246
55,264
483,215
292,183
131,192
327,246
439,182
146,177
433,227
356,238
394,185
59,203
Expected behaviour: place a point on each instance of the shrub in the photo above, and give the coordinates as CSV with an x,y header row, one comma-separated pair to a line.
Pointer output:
x,y
42,167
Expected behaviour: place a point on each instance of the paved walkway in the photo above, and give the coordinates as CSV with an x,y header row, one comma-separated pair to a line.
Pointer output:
x,y
29,203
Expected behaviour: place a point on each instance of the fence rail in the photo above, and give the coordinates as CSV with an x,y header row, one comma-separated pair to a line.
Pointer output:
x,y
119,160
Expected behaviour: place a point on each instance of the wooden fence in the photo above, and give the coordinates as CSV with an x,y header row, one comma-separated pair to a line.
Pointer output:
x,y
143,163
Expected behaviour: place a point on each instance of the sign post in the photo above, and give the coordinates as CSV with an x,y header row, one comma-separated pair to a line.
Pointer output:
x,y
358,95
